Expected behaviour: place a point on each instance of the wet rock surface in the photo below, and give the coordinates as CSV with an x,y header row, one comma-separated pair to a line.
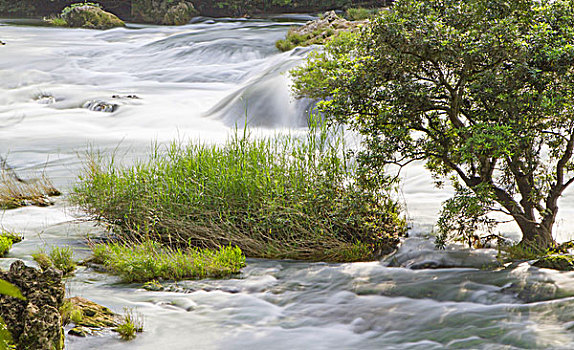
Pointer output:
x,y
35,323
90,318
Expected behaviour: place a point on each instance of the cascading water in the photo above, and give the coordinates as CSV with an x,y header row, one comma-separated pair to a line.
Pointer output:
x,y
65,91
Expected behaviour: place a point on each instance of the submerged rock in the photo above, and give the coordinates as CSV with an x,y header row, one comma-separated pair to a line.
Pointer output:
x,y
91,17
420,253
35,323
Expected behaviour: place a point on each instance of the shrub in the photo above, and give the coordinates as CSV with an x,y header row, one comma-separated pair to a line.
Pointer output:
x,y
149,260
282,197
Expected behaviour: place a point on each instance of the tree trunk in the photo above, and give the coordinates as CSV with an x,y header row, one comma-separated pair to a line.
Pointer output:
x,y
535,235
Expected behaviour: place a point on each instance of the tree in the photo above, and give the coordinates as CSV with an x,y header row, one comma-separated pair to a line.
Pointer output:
x,y
479,89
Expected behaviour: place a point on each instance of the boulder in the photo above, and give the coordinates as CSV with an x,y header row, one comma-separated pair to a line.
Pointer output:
x,y
35,323
91,17
163,12
318,32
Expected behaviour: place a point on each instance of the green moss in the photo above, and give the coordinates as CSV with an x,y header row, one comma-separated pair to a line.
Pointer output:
x,y
5,245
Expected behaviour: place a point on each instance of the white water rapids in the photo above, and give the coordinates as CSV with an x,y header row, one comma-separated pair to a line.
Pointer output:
x,y
196,82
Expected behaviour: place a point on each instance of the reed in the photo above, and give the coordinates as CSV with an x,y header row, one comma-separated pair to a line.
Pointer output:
x,y
277,197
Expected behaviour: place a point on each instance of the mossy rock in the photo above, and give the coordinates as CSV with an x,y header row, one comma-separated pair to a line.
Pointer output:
x,y
318,32
93,315
166,12
91,17
561,262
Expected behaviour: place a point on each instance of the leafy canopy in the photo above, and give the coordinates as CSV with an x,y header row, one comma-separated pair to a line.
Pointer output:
x,y
479,89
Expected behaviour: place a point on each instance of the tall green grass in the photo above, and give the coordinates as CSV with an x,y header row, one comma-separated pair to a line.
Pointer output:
x,y
276,197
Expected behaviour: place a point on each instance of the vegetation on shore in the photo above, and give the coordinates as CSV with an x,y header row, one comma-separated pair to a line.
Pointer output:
x,y
16,192
482,94
149,260
282,197
62,258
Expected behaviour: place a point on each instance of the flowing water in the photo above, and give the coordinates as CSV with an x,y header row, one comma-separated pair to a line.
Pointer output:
x,y
66,91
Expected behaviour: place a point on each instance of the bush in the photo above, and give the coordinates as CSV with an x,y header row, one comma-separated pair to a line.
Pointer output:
x,y
282,197
149,260
359,14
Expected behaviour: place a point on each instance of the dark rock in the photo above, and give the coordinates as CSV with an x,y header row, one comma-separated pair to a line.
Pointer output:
x,y
101,106
80,331
35,323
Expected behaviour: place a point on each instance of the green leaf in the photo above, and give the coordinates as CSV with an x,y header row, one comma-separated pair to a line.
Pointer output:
x,y
10,290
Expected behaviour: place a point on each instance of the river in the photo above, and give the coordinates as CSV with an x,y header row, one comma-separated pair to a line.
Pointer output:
x,y
198,82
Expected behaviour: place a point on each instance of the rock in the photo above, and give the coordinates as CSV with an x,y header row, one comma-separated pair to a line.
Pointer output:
x,y
2,43
94,316
318,31
35,323
101,106
163,12
179,14
80,331
91,17
562,262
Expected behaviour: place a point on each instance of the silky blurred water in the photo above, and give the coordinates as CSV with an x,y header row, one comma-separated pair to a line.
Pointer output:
x,y
199,82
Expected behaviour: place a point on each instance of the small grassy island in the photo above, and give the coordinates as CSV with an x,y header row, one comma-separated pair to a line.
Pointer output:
x,y
284,197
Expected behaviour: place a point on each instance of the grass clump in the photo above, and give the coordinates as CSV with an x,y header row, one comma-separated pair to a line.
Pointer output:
x,y
282,197
150,260
62,258
16,192
132,323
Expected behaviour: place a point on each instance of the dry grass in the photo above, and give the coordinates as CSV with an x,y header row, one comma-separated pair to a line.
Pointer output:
x,y
16,193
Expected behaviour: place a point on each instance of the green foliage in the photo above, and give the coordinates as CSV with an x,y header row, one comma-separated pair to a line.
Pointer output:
x,y
149,260
282,197
360,13
132,323
479,89
61,258
5,245
7,239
